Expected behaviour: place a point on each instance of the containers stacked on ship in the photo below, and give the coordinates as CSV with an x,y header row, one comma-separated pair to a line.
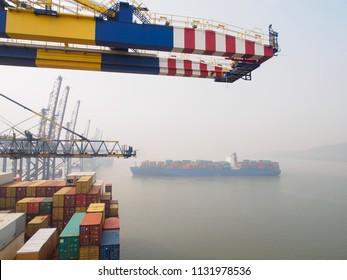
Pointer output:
x,y
90,236
98,208
58,211
12,234
34,207
40,246
15,191
35,224
73,177
114,208
68,244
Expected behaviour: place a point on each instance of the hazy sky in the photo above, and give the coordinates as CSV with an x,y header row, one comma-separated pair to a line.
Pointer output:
x,y
297,100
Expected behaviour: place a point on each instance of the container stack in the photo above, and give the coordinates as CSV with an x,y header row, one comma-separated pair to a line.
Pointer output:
x,y
35,224
90,236
12,192
60,215
35,206
114,208
68,245
40,246
80,208
12,234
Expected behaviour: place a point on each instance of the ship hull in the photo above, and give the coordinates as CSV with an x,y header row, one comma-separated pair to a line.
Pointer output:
x,y
166,172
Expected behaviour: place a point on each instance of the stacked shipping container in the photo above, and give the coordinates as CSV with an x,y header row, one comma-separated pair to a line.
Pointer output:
x,y
12,234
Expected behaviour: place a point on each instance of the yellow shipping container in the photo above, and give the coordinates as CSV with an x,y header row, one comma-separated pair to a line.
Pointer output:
x,y
35,224
11,203
22,205
57,213
83,184
114,210
97,208
58,197
2,203
89,252
82,209
9,252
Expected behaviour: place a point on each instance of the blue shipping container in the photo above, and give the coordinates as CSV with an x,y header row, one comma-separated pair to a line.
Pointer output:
x,y
109,247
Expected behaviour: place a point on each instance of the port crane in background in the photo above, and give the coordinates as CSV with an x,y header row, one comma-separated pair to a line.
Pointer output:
x,y
81,147
123,36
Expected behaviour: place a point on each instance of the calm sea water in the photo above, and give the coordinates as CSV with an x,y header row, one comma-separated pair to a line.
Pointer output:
x,y
301,214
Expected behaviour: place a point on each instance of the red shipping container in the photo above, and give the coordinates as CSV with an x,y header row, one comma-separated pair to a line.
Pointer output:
x,y
70,198
50,191
68,213
81,200
3,190
40,192
108,188
111,224
94,195
34,205
59,224
21,192
90,229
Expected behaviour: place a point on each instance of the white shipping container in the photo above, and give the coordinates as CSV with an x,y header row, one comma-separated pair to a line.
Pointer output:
x,y
99,183
6,178
39,246
11,226
10,251
72,177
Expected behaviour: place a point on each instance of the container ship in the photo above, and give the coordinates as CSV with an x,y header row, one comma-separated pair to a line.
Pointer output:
x,y
230,167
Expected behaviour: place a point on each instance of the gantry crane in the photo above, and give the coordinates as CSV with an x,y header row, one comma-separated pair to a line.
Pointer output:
x,y
81,147
125,37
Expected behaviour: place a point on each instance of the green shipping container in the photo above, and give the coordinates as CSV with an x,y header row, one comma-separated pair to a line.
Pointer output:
x,y
68,244
46,206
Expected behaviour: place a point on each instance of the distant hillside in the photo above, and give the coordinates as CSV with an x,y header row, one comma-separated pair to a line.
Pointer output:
x,y
333,152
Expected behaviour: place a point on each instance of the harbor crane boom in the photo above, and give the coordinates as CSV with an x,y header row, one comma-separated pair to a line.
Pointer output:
x,y
88,35
75,148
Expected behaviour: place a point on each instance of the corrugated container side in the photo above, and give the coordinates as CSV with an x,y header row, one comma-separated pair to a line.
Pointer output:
x,y
46,206
11,226
111,224
34,205
81,209
57,213
59,224
58,198
10,203
68,245
109,247
68,213
94,195
10,251
114,210
22,205
81,200
84,184
40,246
108,188
89,252
90,229
2,203
35,224
70,198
